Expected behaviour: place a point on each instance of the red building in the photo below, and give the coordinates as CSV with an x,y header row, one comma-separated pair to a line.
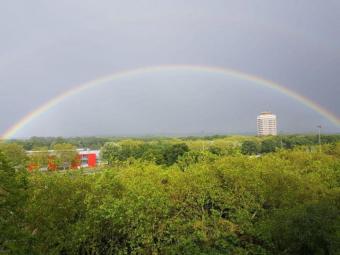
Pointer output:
x,y
84,159
88,158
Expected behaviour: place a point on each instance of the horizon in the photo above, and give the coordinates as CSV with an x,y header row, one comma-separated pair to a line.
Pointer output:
x,y
175,68
155,136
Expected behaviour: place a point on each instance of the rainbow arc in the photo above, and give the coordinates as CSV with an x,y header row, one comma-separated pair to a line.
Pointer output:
x,y
152,69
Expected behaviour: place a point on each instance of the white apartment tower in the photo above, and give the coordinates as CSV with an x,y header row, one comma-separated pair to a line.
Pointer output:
x,y
266,124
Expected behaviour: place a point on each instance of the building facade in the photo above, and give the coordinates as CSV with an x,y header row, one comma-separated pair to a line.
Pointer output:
x,y
84,158
88,158
266,124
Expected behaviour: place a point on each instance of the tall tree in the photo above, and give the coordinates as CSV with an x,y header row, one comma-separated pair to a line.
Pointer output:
x,y
110,152
13,195
15,154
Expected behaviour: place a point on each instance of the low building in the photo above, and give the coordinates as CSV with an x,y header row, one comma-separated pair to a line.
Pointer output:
x,y
47,160
88,158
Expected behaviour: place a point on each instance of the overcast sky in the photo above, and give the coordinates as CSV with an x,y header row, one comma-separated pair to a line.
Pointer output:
x,y
48,47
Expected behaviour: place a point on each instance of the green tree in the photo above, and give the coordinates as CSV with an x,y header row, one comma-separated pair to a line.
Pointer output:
x,y
250,148
15,154
56,210
110,152
194,157
39,157
13,195
306,229
285,202
215,150
268,145
65,155
172,153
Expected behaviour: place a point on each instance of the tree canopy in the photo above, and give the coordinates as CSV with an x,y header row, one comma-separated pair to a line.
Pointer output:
x,y
162,197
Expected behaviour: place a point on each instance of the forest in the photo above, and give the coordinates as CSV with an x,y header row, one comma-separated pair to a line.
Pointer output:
x,y
193,195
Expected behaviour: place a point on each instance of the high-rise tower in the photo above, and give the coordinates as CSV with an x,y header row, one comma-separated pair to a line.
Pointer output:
x,y
266,124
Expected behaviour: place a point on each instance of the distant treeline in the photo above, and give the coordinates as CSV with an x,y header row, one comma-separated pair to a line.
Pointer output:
x,y
284,141
49,142
91,142
271,144
160,151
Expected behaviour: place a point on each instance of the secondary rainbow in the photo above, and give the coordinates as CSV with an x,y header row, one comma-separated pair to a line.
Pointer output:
x,y
196,68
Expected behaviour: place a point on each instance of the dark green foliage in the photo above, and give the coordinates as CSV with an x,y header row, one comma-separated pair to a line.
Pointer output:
x,y
173,152
13,194
250,148
209,138
160,153
306,229
269,145
215,150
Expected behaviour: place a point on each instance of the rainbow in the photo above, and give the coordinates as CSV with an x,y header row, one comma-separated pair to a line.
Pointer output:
x,y
196,68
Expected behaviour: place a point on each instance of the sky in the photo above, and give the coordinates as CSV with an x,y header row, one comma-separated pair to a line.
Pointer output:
x,y
49,47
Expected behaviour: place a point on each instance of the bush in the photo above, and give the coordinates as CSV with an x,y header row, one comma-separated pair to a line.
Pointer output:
x,y
250,148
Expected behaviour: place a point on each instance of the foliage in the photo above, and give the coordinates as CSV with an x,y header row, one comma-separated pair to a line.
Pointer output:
x,y
306,229
250,148
195,157
160,153
269,145
219,141
55,209
80,142
15,154
173,152
65,155
179,197
13,194
110,152
39,158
